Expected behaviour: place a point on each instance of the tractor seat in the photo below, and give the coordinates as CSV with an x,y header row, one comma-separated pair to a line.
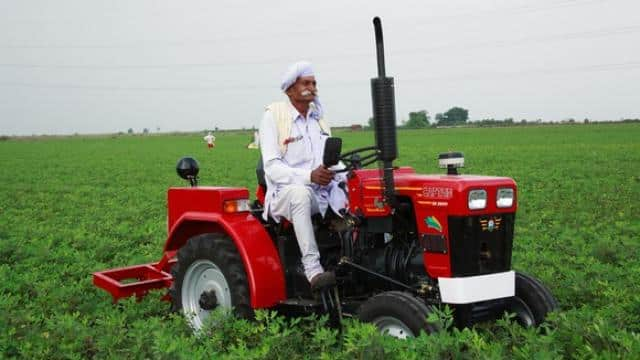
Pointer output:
x,y
261,190
260,173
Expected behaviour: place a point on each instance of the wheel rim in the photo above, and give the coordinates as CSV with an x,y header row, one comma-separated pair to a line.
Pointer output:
x,y
523,313
203,276
393,327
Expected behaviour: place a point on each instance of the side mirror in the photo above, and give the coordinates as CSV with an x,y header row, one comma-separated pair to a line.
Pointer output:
x,y
332,150
187,168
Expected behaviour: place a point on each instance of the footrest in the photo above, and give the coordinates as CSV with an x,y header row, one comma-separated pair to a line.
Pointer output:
x,y
132,280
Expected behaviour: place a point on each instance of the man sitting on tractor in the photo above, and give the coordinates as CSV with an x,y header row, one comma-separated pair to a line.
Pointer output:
x,y
292,139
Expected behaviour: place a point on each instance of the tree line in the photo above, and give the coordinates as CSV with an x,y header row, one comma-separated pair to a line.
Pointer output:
x,y
421,119
460,116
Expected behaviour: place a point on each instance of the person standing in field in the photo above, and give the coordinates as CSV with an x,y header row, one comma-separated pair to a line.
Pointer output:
x,y
255,143
292,137
256,138
210,139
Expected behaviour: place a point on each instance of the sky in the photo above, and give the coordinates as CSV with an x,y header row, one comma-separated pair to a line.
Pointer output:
x,y
89,66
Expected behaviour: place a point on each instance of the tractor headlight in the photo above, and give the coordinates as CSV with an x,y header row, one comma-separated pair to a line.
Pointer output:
x,y
477,199
504,199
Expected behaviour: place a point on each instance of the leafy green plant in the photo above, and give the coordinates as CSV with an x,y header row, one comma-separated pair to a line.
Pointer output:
x,y
72,206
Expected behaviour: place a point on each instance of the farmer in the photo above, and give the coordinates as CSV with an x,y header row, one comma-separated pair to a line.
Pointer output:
x,y
292,138
210,139
255,142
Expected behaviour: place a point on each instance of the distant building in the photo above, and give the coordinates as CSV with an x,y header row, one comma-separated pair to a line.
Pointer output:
x,y
356,127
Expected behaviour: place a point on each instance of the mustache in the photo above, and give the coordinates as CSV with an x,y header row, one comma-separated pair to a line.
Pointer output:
x,y
309,92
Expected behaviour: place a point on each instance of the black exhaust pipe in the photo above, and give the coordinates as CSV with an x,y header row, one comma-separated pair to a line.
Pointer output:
x,y
384,118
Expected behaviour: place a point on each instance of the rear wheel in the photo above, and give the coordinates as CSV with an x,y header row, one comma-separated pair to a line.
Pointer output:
x,y
397,314
209,274
533,301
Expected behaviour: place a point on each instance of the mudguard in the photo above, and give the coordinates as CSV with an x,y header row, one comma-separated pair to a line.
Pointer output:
x,y
259,255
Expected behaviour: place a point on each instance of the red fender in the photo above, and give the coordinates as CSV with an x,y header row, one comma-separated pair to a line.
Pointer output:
x,y
259,255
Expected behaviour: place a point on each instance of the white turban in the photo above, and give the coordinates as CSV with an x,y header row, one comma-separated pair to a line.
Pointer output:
x,y
296,70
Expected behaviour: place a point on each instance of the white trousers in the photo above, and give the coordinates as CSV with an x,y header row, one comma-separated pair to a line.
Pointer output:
x,y
297,203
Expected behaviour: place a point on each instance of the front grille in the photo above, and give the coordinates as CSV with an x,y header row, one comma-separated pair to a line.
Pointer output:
x,y
480,244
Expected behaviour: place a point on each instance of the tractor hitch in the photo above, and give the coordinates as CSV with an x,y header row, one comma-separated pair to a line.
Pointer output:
x,y
137,279
132,280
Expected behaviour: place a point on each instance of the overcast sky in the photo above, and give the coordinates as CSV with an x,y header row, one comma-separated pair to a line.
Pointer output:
x,y
89,66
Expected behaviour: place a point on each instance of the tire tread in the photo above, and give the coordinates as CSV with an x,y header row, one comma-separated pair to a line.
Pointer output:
x,y
220,249
536,296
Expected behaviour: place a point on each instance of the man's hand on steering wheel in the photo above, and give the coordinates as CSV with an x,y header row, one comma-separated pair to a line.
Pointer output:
x,y
321,175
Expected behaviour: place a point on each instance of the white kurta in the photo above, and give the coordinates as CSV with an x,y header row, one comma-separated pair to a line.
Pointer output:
x,y
304,153
290,192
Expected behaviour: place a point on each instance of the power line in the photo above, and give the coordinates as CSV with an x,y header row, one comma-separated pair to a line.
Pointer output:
x,y
539,71
261,36
132,88
240,87
589,34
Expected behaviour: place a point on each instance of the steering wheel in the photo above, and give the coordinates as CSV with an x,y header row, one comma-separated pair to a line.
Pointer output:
x,y
359,158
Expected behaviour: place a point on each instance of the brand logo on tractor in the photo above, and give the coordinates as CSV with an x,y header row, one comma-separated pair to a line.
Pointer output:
x,y
436,192
433,223
490,223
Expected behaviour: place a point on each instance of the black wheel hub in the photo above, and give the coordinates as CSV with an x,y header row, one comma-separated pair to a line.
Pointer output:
x,y
208,300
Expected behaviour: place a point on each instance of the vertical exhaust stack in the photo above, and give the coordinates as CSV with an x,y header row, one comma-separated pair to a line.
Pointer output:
x,y
384,117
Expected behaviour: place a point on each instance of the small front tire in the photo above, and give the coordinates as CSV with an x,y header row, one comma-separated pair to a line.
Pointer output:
x,y
398,314
533,301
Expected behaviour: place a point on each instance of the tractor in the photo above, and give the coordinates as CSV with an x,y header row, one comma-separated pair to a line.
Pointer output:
x,y
406,244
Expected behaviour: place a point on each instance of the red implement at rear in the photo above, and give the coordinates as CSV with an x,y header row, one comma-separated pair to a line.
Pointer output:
x,y
198,210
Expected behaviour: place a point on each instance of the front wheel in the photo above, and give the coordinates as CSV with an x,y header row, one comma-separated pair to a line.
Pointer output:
x,y
209,274
398,314
533,301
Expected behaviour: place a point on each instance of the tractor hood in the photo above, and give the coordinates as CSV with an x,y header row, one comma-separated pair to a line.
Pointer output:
x,y
450,192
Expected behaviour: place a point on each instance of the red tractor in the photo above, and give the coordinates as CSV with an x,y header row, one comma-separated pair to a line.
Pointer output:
x,y
406,242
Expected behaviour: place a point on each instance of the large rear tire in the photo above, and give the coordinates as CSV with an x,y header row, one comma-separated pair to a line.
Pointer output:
x,y
533,301
209,274
398,314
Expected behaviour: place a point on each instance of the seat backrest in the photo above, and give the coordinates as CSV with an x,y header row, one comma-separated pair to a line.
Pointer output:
x,y
261,189
260,174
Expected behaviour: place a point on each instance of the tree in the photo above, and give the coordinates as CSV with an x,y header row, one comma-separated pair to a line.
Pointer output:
x,y
417,120
453,116
130,131
145,131
457,115
370,123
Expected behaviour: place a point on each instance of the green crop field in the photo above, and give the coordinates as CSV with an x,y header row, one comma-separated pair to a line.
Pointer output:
x,y
71,206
